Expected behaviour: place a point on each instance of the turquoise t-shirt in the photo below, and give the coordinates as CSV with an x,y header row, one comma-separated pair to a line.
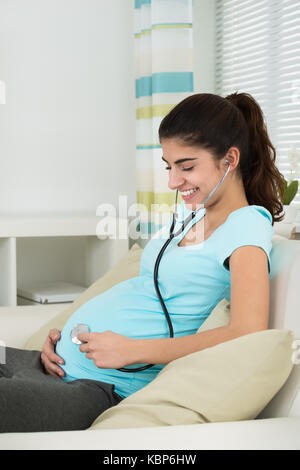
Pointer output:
x,y
192,280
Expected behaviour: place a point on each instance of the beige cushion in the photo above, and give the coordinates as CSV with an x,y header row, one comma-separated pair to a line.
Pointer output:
x,y
128,267
229,382
220,316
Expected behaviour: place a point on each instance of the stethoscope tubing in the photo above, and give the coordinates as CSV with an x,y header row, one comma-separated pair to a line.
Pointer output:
x,y
155,276
158,259
155,279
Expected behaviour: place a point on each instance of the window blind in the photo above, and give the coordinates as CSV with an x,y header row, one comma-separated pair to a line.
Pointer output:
x,y
258,52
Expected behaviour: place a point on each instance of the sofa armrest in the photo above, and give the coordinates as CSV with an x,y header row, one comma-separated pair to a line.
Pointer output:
x,y
17,324
270,434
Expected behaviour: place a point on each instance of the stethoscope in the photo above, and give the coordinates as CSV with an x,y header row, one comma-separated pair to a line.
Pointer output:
x,y
81,328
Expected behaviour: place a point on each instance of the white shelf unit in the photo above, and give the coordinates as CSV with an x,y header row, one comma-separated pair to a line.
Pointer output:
x,y
54,248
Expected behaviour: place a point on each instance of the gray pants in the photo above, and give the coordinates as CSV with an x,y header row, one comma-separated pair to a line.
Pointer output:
x,y
33,401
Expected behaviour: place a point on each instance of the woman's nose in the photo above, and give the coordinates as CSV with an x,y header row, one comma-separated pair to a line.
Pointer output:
x,y
175,180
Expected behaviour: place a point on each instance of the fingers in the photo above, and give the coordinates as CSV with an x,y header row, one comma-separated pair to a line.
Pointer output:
x,y
49,358
87,343
49,346
84,337
85,347
54,335
51,368
49,351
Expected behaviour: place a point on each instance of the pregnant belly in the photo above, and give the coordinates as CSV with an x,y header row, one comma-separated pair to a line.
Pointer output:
x,y
130,308
126,309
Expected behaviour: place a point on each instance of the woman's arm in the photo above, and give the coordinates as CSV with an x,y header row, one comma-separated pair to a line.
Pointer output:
x,y
249,311
163,351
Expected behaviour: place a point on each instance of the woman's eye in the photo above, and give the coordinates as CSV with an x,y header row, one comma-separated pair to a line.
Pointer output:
x,y
183,169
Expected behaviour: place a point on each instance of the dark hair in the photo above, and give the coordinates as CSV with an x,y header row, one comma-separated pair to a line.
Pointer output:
x,y
215,123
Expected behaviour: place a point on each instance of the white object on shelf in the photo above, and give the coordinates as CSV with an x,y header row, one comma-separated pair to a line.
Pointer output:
x,y
36,248
21,301
51,292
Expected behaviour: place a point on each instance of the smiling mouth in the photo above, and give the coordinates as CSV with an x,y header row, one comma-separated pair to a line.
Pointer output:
x,y
188,194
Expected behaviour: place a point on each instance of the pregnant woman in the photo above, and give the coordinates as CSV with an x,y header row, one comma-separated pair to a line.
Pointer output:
x,y
224,251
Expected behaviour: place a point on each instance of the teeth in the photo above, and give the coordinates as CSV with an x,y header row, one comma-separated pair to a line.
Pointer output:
x,y
187,193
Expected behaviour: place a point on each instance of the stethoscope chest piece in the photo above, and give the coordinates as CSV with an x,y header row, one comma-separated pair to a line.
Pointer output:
x,y
78,329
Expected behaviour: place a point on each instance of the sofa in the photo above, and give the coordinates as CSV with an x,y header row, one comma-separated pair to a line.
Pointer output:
x,y
277,426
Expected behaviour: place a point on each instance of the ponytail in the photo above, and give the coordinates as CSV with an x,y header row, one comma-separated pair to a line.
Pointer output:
x,y
214,123
262,179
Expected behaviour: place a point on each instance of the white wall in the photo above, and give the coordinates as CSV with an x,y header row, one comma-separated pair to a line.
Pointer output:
x,y
204,46
67,130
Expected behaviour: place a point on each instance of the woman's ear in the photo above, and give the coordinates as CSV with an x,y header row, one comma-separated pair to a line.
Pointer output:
x,y
232,157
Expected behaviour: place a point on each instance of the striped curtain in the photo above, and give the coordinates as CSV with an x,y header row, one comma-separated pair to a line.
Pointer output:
x,y
164,77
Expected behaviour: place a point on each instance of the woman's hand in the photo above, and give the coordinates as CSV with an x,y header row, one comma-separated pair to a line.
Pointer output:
x,y
48,356
108,350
